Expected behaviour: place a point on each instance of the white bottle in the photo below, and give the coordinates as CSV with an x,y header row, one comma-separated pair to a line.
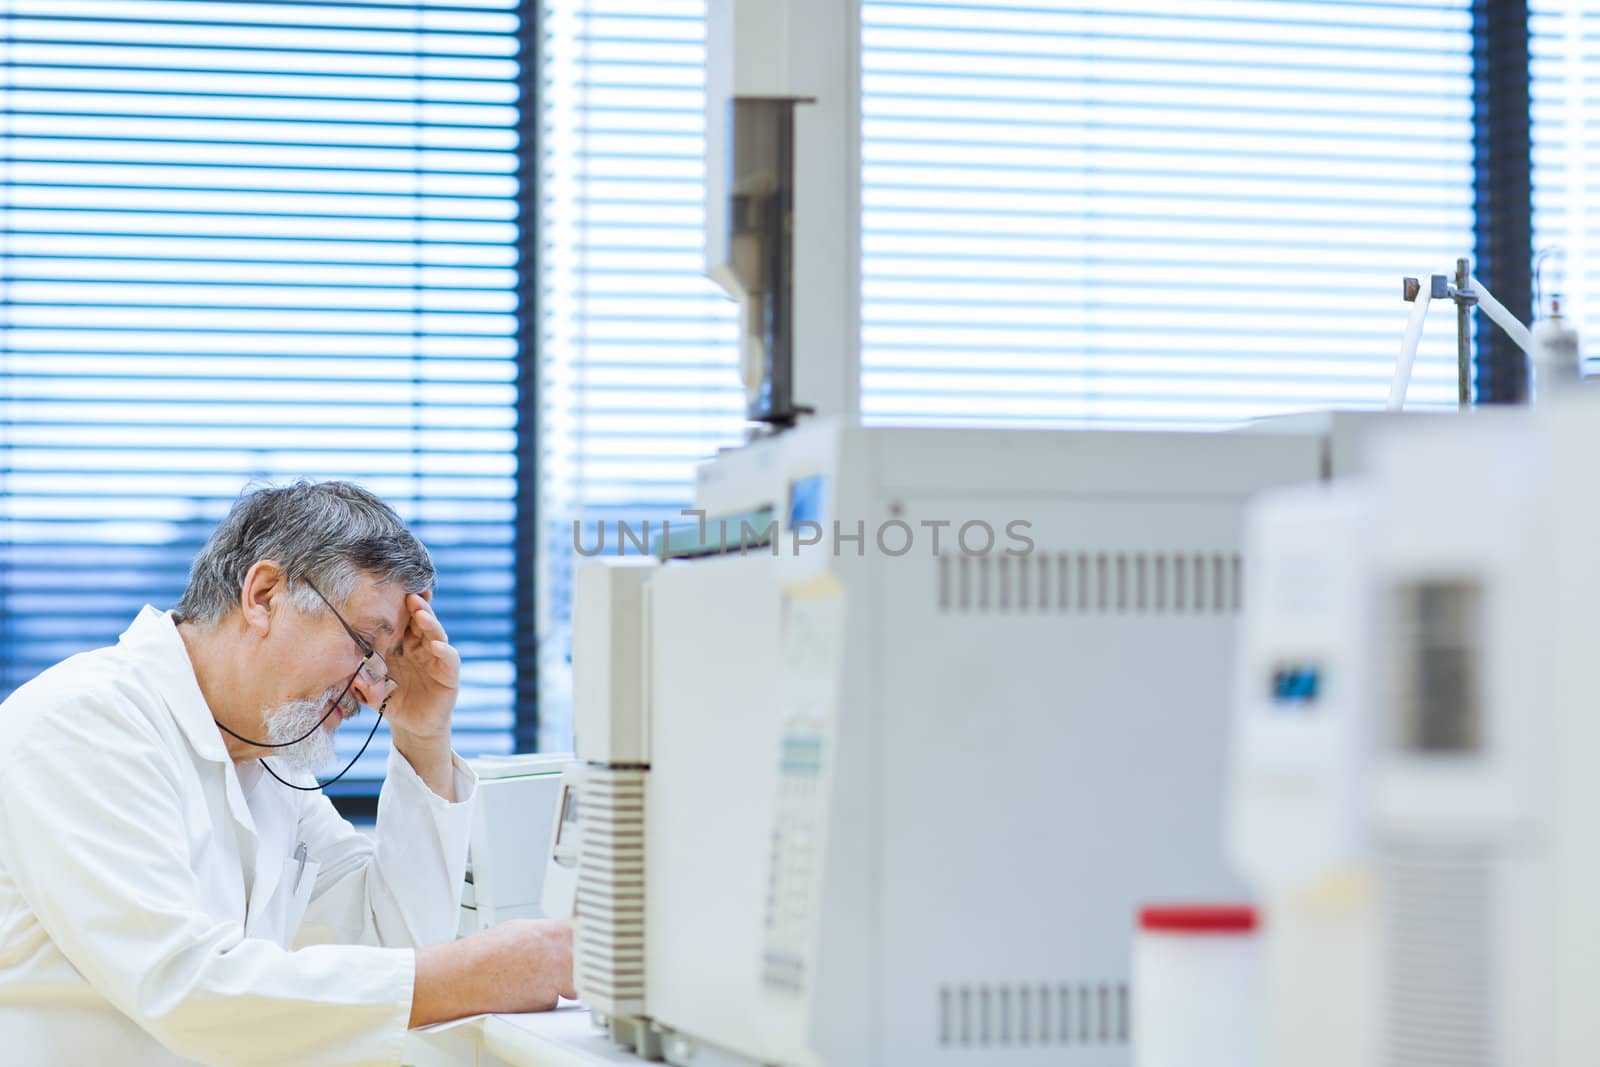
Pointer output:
x,y
1198,988
1557,363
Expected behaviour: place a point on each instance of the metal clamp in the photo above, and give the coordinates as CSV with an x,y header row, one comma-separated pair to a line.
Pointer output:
x,y
1465,299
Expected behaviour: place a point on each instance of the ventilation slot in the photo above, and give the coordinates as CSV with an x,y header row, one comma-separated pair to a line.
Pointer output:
x,y
1024,1015
608,946
1438,926
1091,583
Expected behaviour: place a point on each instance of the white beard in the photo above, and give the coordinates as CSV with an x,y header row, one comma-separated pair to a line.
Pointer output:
x,y
293,718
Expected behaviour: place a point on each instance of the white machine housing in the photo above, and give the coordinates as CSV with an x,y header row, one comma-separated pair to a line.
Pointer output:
x,y
608,635
810,51
1473,822
510,838
559,896
595,875
903,802
1300,743
1298,825
1469,841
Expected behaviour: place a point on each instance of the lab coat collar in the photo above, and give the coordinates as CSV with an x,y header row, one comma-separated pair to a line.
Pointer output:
x,y
159,654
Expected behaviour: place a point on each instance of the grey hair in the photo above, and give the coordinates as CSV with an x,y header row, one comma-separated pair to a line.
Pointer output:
x,y
325,533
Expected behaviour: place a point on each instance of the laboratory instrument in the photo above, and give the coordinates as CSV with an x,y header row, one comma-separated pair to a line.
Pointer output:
x,y
897,769
1300,750
508,844
783,198
1463,862
881,752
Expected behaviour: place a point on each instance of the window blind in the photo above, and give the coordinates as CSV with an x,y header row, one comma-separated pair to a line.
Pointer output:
x,y
255,241
1157,212
1152,212
1564,50
639,348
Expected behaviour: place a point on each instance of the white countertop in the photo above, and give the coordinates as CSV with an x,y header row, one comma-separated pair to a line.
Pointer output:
x,y
565,1037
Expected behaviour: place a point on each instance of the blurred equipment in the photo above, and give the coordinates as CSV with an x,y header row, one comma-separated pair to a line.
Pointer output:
x,y
1448,825
509,842
1557,358
1301,756
1479,827
885,779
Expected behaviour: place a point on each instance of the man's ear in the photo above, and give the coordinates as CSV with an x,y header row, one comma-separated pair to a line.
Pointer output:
x,y
264,583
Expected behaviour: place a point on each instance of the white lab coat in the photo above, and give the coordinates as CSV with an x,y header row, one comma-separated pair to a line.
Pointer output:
x,y
150,895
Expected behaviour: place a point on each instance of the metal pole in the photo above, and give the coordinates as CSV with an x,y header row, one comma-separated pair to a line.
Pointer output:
x,y
1463,336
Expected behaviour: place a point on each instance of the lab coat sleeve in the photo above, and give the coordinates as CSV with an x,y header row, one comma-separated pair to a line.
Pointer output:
x,y
402,884
93,828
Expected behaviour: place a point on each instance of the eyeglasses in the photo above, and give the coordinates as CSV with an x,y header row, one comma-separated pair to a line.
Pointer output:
x,y
372,667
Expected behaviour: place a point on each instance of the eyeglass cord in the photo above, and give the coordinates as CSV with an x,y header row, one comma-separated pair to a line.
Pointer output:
x,y
341,774
332,707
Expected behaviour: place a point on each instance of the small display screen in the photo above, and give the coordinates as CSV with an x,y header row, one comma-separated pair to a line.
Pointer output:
x,y
1296,686
807,498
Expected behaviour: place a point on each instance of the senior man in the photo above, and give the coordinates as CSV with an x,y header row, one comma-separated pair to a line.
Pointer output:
x,y
164,901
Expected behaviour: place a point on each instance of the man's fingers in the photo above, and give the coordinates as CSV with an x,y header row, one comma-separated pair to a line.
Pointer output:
x,y
446,665
425,623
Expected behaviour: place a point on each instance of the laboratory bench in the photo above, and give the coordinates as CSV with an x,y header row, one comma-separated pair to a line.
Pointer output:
x,y
565,1037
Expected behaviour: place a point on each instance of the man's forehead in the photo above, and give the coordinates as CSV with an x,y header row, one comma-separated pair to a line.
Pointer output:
x,y
379,628
379,607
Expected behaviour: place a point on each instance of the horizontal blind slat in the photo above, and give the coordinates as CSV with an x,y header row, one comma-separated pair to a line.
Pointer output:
x,y
243,241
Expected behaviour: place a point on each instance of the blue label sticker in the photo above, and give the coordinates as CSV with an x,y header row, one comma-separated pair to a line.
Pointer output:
x,y
1296,686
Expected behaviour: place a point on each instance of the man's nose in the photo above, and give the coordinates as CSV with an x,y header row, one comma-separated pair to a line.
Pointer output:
x,y
371,685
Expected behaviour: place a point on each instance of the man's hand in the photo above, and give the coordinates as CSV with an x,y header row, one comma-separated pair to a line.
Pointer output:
x,y
426,675
424,681
516,966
